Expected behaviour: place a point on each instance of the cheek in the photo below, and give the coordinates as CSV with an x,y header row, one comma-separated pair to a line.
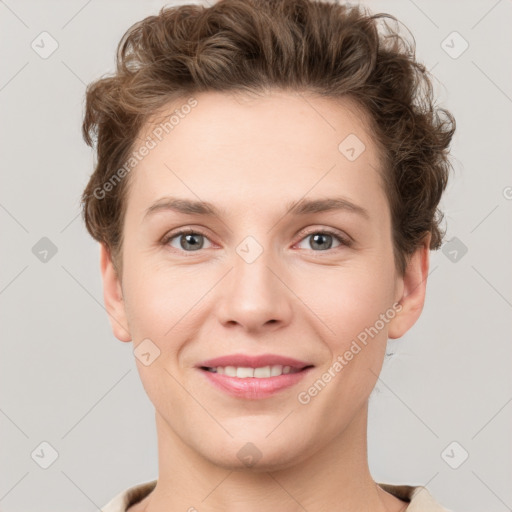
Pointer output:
x,y
158,298
359,340
158,306
349,299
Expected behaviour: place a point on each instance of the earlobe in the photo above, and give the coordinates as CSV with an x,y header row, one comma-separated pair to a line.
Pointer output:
x,y
414,289
113,296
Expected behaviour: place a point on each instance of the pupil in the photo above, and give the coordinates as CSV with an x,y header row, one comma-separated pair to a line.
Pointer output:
x,y
190,243
319,237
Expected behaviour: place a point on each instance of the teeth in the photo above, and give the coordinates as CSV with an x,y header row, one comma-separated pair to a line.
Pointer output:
x,y
230,371
259,373
242,373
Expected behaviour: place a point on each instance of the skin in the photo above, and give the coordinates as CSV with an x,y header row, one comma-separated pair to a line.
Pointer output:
x,y
251,157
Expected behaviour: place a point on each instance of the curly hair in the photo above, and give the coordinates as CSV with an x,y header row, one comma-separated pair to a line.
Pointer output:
x,y
320,47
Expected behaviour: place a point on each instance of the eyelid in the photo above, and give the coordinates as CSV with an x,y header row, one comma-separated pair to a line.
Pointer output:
x,y
183,231
344,240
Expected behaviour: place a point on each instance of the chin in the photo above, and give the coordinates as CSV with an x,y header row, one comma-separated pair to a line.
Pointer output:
x,y
255,453
267,462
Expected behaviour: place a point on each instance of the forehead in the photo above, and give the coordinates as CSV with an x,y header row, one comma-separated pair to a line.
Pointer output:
x,y
257,150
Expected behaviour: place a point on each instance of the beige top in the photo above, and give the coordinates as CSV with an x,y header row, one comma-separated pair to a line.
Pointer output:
x,y
418,497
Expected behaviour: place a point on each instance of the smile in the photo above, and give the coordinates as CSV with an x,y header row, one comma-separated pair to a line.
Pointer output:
x,y
254,383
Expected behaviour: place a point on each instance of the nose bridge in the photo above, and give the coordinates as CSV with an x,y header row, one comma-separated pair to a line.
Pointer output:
x,y
255,296
252,270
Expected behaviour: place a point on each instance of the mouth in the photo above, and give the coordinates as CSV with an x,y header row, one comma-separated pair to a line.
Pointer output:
x,y
262,372
256,362
257,381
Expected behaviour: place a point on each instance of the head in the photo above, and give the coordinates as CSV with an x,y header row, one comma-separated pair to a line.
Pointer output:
x,y
259,109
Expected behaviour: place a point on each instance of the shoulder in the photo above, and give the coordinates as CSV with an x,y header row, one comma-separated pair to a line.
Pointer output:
x,y
125,499
419,498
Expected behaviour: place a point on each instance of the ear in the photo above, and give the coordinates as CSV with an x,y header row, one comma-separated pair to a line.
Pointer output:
x,y
413,285
113,296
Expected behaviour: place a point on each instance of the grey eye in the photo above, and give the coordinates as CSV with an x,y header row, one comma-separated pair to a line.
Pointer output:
x,y
321,241
188,241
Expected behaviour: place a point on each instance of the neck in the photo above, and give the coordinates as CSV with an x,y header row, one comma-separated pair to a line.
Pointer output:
x,y
335,477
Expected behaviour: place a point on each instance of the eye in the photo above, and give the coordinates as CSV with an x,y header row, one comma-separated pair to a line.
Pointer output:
x,y
190,240
186,240
323,240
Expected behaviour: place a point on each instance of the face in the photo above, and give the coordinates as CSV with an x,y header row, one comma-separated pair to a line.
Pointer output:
x,y
275,270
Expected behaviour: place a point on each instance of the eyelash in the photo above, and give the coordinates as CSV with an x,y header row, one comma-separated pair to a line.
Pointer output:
x,y
344,241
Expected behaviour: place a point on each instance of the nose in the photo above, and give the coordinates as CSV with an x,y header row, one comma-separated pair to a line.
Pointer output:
x,y
254,295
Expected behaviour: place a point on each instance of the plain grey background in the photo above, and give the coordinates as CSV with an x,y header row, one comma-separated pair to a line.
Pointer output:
x,y
445,394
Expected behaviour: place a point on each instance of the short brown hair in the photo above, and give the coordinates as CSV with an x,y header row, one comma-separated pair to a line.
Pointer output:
x,y
319,47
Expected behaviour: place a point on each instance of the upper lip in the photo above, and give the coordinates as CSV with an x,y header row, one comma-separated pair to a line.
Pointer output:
x,y
247,361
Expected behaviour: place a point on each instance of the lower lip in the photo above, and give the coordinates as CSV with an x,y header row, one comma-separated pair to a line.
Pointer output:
x,y
252,388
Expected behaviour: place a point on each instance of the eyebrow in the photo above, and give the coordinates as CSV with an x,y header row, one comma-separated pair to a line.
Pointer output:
x,y
297,208
307,206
